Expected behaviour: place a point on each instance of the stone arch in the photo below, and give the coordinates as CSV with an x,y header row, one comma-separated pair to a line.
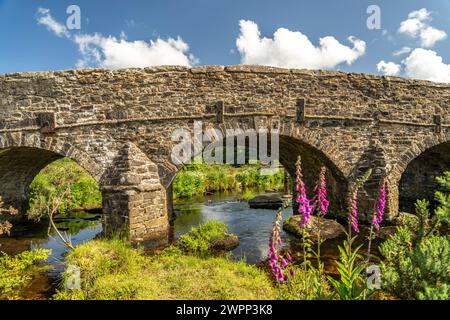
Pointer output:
x,y
294,140
312,160
418,177
58,146
416,150
22,159
286,129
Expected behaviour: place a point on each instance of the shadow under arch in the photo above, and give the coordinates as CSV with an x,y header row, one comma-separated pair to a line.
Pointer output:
x,y
418,180
313,159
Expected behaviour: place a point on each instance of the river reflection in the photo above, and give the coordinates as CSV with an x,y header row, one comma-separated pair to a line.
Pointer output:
x,y
252,226
80,227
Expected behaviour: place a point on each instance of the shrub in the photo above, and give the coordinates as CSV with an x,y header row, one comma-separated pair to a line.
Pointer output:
x,y
17,271
417,263
309,285
189,183
199,240
200,178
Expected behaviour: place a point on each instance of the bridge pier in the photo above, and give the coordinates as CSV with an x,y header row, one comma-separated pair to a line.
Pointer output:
x,y
134,201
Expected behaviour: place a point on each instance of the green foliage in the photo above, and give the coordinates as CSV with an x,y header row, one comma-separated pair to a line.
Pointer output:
x,y
189,183
351,283
111,269
252,177
51,183
416,271
417,264
199,240
16,271
309,285
443,198
200,178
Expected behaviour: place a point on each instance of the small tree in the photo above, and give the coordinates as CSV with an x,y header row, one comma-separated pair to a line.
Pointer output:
x,y
57,195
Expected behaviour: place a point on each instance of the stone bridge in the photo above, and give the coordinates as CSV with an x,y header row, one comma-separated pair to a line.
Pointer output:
x,y
118,125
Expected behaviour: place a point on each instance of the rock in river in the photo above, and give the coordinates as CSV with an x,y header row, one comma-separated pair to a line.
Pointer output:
x,y
329,229
266,202
228,243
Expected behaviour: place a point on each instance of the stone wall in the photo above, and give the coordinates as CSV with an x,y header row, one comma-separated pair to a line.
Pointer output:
x,y
350,122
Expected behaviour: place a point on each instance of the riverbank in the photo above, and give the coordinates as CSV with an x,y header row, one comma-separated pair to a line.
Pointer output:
x,y
198,179
189,269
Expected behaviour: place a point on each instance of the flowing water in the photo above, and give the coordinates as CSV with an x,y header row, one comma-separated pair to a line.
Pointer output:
x,y
80,227
252,226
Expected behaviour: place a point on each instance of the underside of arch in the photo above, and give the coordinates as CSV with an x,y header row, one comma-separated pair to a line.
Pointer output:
x,y
18,167
418,181
312,161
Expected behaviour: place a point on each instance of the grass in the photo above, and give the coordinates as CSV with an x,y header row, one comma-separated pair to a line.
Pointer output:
x,y
111,269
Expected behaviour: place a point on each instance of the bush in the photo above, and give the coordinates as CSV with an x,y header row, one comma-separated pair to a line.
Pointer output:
x,y
17,271
443,198
199,240
419,271
417,261
189,183
253,178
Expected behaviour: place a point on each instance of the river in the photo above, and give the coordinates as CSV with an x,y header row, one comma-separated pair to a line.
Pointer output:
x,y
252,226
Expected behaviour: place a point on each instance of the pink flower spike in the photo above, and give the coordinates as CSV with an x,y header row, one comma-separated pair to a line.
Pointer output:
x,y
322,193
353,217
380,206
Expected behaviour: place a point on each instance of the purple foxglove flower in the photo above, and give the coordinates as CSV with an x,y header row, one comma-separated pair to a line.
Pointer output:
x,y
322,193
305,208
353,217
380,206
288,256
283,263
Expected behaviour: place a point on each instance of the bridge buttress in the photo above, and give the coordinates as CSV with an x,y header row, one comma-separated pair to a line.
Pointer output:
x,y
134,200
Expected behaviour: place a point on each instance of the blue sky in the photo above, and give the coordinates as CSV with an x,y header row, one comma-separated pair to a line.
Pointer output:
x,y
210,29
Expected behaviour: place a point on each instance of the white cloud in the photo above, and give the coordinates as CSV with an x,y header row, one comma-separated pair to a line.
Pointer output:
x,y
427,65
430,36
111,52
402,51
417,25
388,68
291,49
44,18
